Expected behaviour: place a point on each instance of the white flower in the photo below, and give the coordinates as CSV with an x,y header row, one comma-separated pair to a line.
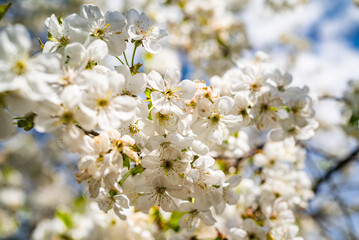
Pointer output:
x,y
103,97
109,27
140,129
53,115
161,143
118,202
249,230
170,163
131,85
81,57
278,213
242,106
157,193
290,130
168,93
30,77
281,81
299,104
265,110
250,79
214,119
140,27
229,196
164,121
205,184
190,219
67,32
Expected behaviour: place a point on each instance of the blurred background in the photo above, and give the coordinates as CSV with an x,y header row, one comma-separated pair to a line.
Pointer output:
x,y
317,41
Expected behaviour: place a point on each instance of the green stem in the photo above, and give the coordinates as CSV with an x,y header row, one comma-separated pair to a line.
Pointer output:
x,y
133,55
119,60
124,54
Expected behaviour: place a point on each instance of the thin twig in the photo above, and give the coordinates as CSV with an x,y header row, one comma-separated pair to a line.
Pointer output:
x,y
91,132
336,168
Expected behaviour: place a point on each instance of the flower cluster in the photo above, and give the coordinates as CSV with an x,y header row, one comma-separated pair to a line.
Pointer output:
x,y
268,201
210,32
153,140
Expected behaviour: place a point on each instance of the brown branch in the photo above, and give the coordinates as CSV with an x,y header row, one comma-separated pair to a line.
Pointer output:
x,y
92,132
336,168
327,97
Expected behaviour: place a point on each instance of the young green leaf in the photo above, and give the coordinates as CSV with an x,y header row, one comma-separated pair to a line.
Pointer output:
x,y
3,9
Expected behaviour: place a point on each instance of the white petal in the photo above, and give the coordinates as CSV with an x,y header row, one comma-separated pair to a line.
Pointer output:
x,y
116,44
152,46
188,89
53,26
91,12
233,122
132,15
204,107
97,50
7,128
78,55
216,134
155,81
136,84
207,218
116,21
224,104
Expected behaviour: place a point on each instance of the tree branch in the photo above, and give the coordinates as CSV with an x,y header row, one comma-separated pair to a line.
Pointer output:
x,y
336,168
92,132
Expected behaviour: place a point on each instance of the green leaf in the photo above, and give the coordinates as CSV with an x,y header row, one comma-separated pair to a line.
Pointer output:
x,y
65,218
3,9
136,170
126,161
173,221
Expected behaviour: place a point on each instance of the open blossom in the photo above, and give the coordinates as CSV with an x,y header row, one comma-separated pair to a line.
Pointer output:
x,y
249,230
51,115
140,27
190,219
81,57
250,79
168,92
131,85
214,119
104,99
109,27
157,193
29,77
266,110
170,163
61,34
118,202
206,183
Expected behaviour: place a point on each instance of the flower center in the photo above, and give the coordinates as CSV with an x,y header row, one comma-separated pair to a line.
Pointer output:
x,y
102,103
133,129
161,190
67,117
19,67
215,118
